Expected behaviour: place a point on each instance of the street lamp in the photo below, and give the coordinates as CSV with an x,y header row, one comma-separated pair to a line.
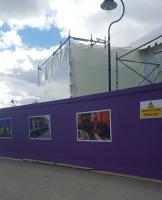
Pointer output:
x,y
111,5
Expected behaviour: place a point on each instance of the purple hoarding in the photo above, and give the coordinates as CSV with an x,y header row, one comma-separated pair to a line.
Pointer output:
x,y
134,145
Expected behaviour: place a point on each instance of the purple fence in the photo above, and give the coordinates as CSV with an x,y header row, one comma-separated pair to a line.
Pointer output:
x,y
136,145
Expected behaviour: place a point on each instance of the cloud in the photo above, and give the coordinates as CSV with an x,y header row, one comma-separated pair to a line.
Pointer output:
x,y
20,13
20,9
9,39
21,91
84,17
145,11
22,58
19,75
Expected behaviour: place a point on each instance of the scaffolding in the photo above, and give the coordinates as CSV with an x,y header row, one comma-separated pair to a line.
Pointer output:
x,y
126,63
60,57
58,64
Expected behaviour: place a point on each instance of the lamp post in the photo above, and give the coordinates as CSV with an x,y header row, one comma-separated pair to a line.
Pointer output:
x,y
111,5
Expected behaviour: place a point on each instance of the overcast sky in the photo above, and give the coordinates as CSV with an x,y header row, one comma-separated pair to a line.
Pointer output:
x,y
31,29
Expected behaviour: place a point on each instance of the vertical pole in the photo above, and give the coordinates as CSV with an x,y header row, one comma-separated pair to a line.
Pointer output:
x,y
38,76
39,82
70,69
105,42
109,45
69,36
117,71
109,60
60,53
91,39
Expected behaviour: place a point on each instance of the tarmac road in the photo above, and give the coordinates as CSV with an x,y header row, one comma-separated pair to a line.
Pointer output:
x,y
32,181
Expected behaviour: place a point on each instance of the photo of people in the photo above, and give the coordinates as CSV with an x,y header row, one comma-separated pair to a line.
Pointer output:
x,y
5,128
94,126
40,127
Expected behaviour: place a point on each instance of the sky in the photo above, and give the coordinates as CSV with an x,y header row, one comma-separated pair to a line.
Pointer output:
x,y
30,30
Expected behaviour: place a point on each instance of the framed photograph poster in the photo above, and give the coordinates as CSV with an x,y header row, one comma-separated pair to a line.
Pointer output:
x,y
5,128
94,126
40,127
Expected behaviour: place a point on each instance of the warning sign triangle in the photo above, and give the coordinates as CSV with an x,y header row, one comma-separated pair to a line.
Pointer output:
x,y
151,105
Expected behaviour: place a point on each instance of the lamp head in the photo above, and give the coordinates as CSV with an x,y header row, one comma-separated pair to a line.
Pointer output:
x,y
108,5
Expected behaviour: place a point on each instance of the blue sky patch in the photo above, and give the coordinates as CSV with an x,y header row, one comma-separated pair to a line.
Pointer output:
x,y
35,38
5,28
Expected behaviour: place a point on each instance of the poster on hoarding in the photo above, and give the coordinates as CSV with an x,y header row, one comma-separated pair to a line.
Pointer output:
x,y
5,128
40,127
94,126
151,109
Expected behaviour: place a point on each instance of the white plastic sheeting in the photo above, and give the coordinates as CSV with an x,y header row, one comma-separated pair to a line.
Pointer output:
x,y
80,69
88,67
54,77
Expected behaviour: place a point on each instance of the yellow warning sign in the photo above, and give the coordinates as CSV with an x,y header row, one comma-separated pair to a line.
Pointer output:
x,y
151,111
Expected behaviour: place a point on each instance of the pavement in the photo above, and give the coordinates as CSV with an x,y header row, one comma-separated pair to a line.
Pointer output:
x,y
33,181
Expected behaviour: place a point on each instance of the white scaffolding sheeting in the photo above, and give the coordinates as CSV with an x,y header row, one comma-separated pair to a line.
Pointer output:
x,y
88,69
81,69
54,77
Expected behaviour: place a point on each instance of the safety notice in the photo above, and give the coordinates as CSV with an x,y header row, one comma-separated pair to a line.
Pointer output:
x,y
151,109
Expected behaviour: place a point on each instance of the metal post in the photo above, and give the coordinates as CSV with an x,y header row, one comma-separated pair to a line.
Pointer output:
x,y
109,60
38,76
109,44
117,71
69,37
91,40
105,42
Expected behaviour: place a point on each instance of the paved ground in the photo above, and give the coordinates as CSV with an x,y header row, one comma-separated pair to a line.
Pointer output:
x,y
31,181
